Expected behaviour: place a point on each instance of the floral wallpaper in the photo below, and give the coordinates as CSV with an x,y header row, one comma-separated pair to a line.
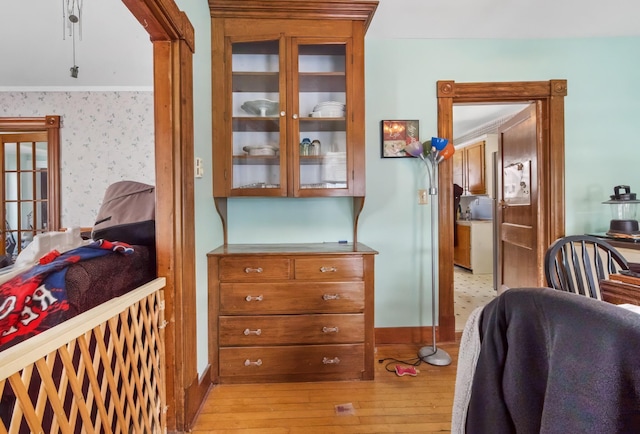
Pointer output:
x,y
105,137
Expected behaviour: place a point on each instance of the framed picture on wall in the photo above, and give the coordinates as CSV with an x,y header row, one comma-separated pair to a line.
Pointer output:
x,y
396,135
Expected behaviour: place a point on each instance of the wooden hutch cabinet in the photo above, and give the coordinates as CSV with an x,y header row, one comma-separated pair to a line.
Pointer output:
x,y
288,121
285,71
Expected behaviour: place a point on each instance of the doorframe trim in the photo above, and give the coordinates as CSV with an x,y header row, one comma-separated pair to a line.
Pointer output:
x,y
550,97
173,39
50,124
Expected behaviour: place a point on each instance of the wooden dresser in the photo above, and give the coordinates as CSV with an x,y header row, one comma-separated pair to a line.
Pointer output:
x,y
291,312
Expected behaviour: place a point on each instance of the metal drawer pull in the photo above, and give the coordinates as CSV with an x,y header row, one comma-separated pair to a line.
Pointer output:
x,y
256,363
329,330
331,296
248,332
253,270
328,361
250,298
328,269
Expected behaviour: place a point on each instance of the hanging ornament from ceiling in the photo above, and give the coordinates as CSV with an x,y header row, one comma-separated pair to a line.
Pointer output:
x,y
72,27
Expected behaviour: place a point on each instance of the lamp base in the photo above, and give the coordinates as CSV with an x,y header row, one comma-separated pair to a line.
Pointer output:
x,y
439,357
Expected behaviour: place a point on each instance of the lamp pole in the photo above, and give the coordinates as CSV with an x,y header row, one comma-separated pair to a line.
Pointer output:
x,y
432,354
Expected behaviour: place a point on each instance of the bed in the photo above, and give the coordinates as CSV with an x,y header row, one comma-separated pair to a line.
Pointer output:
x,y
83,353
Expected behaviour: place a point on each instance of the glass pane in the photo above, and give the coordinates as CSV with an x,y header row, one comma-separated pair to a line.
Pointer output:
x,y
26,185
26,215
41,185
10,162
26,237
40,219
26,156
41,155
11,186
256,114
322,127
11,210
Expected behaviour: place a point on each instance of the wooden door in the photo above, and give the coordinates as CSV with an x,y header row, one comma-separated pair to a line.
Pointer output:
x,y
519,261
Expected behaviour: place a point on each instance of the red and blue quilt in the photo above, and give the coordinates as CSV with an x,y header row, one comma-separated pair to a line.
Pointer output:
x,y
36,299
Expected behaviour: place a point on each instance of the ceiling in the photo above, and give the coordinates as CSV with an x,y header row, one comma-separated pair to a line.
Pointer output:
x,y
510,19
103,63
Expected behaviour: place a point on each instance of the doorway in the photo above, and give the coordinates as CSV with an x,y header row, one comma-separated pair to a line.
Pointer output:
x,y
475,136
549,97
29,185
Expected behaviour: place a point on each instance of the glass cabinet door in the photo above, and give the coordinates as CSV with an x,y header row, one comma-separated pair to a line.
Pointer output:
x,y
257,119
321,157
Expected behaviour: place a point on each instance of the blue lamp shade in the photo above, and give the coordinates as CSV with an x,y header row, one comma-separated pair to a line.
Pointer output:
x,y
439,143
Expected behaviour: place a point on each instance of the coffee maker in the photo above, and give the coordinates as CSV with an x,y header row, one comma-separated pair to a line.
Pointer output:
x,y
624,206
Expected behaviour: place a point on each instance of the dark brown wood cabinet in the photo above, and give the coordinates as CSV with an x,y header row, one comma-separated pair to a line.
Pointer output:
x,y
291,312
282,72
469,168
462,249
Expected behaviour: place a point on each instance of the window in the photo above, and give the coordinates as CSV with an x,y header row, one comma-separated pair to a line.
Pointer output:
x,y
29,186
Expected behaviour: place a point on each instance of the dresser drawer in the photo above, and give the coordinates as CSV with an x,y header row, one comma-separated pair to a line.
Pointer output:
x,y
290,361
291,297
329,268
291,329
253,268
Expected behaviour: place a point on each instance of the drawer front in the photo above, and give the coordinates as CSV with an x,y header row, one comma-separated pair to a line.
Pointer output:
x,y
291,329
250,268
329,268
291,297
291,360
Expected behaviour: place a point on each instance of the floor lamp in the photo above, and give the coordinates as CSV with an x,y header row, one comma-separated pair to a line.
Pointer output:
x,y
439,150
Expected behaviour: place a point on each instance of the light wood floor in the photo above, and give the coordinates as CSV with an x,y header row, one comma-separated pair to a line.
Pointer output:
x,y
389,404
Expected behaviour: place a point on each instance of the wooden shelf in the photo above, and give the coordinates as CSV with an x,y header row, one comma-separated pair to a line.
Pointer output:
x,y
272,124
251,81
274,160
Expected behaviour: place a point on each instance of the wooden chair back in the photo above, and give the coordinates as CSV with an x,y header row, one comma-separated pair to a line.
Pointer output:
x,y
577,263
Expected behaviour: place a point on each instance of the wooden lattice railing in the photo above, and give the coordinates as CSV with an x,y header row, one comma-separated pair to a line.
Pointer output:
x,y
101,371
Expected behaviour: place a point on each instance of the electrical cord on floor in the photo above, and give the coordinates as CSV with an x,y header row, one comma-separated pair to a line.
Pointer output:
x,y
411,362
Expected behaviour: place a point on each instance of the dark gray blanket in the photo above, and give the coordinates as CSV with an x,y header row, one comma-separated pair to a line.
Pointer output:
x,y
555,362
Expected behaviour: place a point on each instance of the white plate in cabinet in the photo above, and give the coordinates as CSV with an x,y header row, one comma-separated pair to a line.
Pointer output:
x,y
290,329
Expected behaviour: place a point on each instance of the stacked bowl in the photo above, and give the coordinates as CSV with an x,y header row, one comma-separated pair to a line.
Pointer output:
x,y
328,109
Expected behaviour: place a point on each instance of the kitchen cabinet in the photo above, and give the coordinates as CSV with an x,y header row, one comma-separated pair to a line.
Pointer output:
x,y
291,312
462,250
469,168
283,72
474,249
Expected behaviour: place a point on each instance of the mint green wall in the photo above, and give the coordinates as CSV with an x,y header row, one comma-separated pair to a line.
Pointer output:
x,y
601,134
601,130
208,227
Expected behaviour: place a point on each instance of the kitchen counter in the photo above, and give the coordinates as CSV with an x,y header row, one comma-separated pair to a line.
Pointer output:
x,y
473,221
